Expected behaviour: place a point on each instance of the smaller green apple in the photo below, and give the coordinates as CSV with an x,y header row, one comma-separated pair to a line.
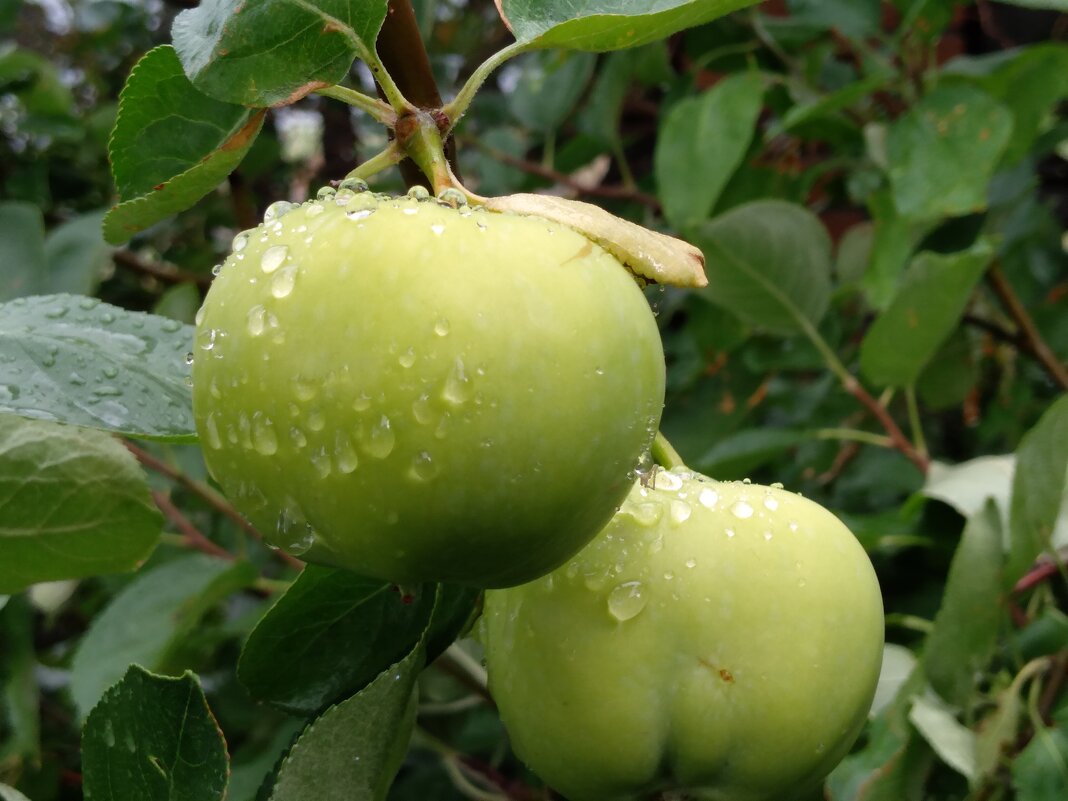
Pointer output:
x,y
719,639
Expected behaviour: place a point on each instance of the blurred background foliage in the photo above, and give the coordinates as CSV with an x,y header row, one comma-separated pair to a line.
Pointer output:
x,y
866,133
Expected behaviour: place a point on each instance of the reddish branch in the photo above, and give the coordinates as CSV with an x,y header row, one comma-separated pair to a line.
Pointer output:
x,y
191,534
208,495
1031,336
161,272
897,436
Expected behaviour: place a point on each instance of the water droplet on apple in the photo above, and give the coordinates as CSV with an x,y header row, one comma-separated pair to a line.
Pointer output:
x,y
793,526
680,512
422,410
283,281
438,229
264,439
441,327
273,258
741,510
407,359
767,536
381,440
240,242
278,209
708,498
626,601
257,320
326,192
320,460
729,532
443,426
771,504
423,467
212,430
347,461
315,420
691,563
666,480
298,437
354,185
359,214
419,193
457,389
362,402
313,209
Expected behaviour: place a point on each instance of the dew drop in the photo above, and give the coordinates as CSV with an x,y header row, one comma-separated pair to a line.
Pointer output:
x,y
326,192
304,390
418,192
273,258
741,510
666,480
279,208
442,430
648,514
297,436
680,512
626,601
423,467
776,485
354,185
438,229
240,242
407,359
320,460
282,283
315,420
264,439
381,440
313,209
767,536
793,526
362,402
211,428
359,214
422,410
441,327
771,504
708,498
257,320
347,461
457,389
691,563
730,533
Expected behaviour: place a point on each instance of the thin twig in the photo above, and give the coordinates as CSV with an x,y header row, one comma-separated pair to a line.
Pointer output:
x,y
209,496
563,179
897,436
161,271
190,533
1045,568
1045,355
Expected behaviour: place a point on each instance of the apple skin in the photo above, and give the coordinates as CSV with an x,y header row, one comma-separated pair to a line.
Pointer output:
x,y
719,639
417,392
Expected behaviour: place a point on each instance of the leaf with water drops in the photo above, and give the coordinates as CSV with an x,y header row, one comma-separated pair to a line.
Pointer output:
x,y
79,361
648,254
73,503
355,748
153,738
607,24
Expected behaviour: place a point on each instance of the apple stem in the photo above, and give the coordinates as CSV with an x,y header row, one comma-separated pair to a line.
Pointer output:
x,y
376,108
459,105
378,162
665,455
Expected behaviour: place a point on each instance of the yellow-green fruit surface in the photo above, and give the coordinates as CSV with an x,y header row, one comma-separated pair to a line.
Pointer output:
x,y
722,639
422,393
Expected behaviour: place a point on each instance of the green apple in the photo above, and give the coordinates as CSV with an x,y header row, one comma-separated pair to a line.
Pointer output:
x,y
418,392
722,640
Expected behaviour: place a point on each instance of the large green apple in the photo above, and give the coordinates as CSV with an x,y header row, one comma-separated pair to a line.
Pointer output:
x,y
424,393
719,639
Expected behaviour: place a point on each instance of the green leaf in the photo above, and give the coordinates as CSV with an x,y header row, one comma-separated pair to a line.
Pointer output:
x,y
355,748
830,104
966,626
854,253
856,18
769,263
894,240
79,361
273,51
924,312
22,251
702,141
951,374
998,730
73,503
330,634
1040,772
171,144
967,486
153,738
600,118
1023,84
1039,489
607,24
943,152
146,622
77,255
898,664
953,742
549,86
737,455
1052,5
19,696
